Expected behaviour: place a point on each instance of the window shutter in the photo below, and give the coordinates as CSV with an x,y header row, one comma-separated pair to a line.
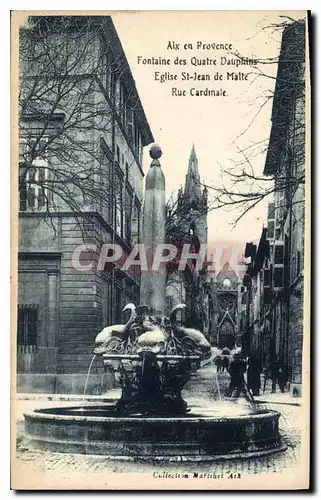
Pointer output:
x,y
278,266
271,222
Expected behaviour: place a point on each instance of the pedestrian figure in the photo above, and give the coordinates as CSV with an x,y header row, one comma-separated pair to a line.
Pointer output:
x,y
266,376
225,364
282,377
237,369
254,374
274,369
218,364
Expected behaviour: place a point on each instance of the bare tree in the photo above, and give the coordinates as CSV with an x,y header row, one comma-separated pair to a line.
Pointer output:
x,y
241,188
69,100
181,217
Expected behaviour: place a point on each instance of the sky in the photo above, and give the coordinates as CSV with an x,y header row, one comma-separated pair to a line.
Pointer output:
x,y
218,126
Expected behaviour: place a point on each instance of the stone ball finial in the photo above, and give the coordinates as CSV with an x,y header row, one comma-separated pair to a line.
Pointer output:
x,y
155,152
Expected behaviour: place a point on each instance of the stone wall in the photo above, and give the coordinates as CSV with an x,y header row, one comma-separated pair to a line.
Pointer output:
x,y
80,304
38,286
295,347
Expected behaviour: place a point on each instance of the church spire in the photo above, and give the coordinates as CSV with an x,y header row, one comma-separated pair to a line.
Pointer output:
x,y
193,153
193,164
192,182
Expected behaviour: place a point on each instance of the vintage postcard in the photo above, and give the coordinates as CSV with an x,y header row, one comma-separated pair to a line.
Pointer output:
x,y
160,250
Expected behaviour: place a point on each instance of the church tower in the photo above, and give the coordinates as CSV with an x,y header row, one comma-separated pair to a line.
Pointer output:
x,y
190,286
195,200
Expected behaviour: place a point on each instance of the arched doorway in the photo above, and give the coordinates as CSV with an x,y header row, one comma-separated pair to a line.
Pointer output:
x,y
226,335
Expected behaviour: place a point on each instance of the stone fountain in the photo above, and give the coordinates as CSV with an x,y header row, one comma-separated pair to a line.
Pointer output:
x,y
151,420
153,357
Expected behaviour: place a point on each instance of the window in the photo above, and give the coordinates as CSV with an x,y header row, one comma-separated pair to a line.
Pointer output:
x,y
27,324
123,104
226,302
270,229
118,308
227,283
267,277
106,302
136,222
267,283
271,210
128,213
279,253
130,125
106,180
117,93
118,155
121,100
290,174
281,195
137,144
278,277
271,221
298,262
107,73
128,113
33,174
119,205
267,295
295,268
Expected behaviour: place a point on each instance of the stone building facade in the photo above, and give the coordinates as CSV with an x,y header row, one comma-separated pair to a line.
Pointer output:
x,y
225,308
274,279
60,308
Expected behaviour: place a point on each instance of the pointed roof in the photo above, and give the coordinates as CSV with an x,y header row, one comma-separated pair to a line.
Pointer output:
x,y
227,271
193,163
193,152
192,181
227,316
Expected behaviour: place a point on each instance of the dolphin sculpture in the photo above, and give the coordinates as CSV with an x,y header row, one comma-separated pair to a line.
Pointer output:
x,y
108,332
182,333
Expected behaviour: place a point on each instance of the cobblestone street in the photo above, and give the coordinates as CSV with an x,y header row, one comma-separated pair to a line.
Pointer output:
x,y
203,385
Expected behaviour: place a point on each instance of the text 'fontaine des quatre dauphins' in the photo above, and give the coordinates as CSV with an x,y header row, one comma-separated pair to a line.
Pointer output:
x,y
206,64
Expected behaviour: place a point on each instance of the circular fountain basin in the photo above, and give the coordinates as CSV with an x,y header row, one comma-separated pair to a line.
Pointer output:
x,y
203,434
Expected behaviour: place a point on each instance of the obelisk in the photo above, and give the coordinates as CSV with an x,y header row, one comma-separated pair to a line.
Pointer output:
x,y
153,282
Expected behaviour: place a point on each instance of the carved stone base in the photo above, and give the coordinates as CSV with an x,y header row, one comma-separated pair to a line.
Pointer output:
x,y
161,403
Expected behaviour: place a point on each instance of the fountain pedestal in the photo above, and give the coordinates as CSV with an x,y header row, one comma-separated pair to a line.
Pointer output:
x,y
151,383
